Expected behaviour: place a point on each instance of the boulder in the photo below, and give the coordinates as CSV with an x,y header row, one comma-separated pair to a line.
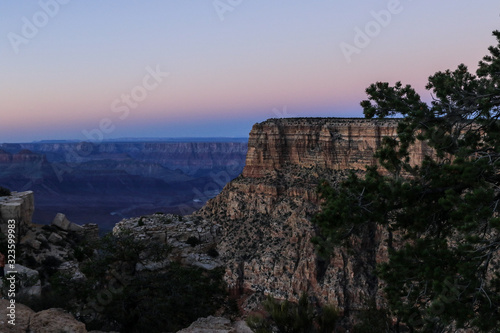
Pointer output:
x,y
55,238
23,317
91,231
75,227
30,239
30,285
41,238
216,325
55,320
19,206
61,221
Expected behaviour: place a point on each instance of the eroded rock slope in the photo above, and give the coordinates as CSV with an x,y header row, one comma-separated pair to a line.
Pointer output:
x,y
266,212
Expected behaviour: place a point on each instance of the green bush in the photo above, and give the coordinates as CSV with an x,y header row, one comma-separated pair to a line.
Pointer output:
x,y
259,324
143,301
288,317
373,320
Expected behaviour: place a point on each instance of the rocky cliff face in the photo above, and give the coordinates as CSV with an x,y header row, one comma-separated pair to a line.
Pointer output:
x,y
266,212
189,157
19,207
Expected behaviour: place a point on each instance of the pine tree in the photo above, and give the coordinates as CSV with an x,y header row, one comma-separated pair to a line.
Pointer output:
x,y
447,206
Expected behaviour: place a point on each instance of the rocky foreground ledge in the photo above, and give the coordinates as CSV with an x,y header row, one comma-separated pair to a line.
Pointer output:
x,y
19,206
192,239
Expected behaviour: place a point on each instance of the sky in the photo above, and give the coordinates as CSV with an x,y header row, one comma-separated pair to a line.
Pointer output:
x,y
102,69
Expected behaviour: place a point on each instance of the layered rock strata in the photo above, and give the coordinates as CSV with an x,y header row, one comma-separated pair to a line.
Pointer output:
x,y
19,207
266,212
190,239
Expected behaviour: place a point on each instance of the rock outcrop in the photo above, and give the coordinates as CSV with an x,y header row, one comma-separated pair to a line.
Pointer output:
x,y
216,325
266,212
23,315
192,240
19,206
55,320
47,321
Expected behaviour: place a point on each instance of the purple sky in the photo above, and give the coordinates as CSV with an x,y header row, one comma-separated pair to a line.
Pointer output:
x,y
108,69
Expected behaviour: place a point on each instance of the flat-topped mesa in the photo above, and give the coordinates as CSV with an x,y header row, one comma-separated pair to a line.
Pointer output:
x,y
266,213
330,143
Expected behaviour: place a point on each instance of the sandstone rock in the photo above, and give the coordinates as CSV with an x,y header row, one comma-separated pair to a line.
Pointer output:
x,y
328,143
166,229
41,237
30,239
22,319
61,221
216,325
19,207
55,238
29,282
265,213
55,320
91,231
151,266
75,227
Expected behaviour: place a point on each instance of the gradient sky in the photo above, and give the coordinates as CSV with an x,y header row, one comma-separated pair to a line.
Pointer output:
x,y
67,66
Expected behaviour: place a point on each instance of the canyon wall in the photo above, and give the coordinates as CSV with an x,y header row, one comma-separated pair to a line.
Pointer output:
x,y
19,207
189,157
266,212
105,182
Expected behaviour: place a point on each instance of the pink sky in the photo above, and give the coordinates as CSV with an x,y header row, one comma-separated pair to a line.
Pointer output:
x,y
227,69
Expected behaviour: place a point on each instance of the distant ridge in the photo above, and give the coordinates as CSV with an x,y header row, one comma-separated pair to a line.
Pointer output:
x,y
181,139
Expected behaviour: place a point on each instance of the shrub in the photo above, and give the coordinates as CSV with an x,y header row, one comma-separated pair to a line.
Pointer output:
x,y
193,241
212,251
4,192
50,264
288,317
373,319
259,324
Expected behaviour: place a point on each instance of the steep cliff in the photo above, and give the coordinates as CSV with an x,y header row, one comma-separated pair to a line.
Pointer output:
x,y
266,212
189,157
18,207
105,182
